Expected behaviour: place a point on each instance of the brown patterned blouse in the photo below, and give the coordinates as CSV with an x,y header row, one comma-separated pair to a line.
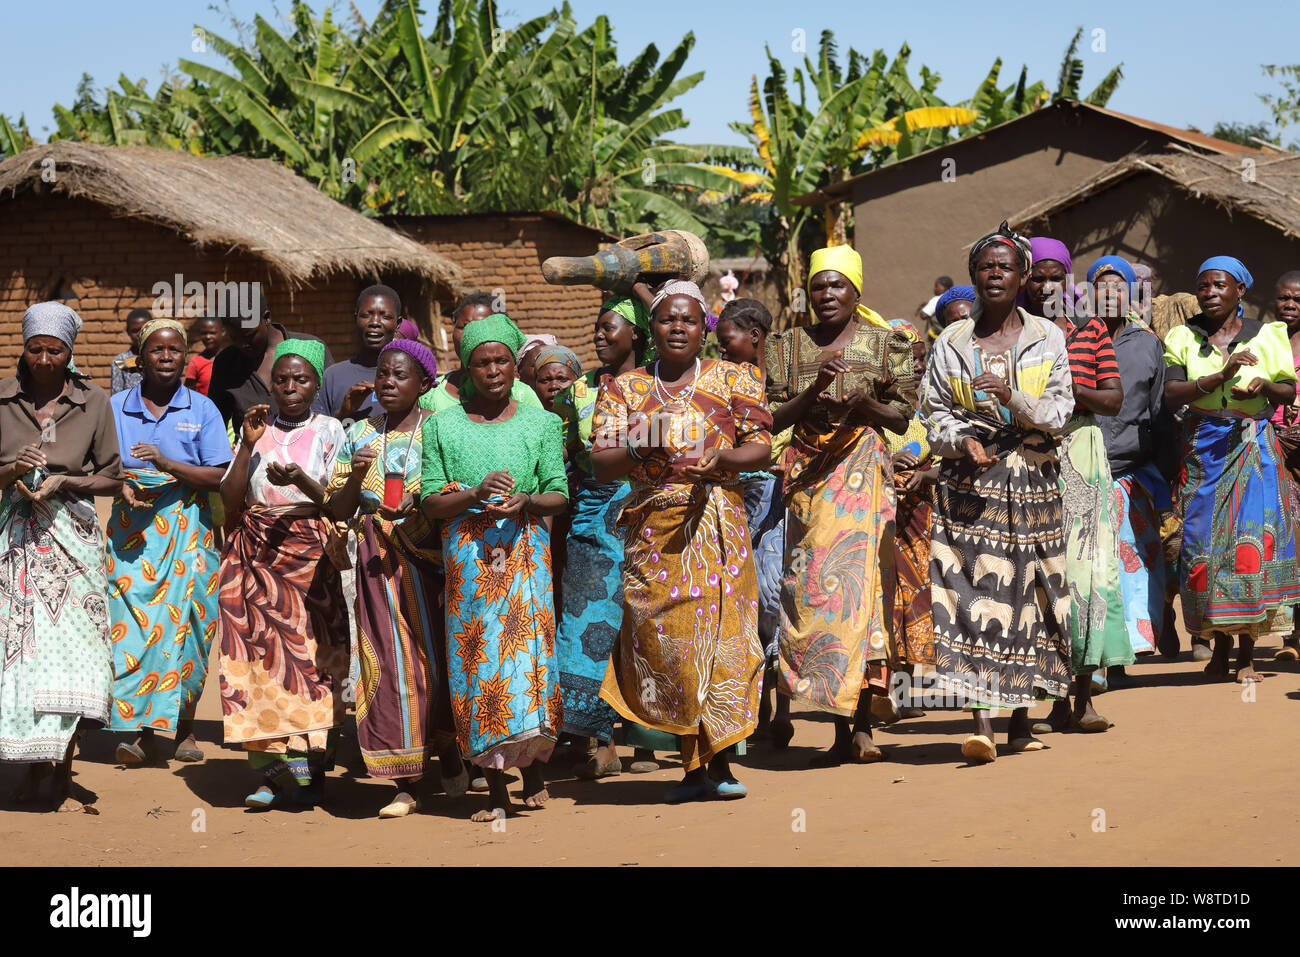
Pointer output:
x,y
727,410
874,356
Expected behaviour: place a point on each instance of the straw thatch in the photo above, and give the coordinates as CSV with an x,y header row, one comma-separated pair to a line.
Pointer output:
x,y
255,206
1265,186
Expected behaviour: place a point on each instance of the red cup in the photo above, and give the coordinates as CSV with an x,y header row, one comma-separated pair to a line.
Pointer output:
x,y
394,489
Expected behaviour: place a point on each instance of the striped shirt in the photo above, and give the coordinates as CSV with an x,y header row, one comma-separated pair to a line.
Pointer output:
x,y
1092,356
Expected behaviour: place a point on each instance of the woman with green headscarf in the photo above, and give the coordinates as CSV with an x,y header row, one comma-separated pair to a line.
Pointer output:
x,y
592,582
284,624
839,383
493,472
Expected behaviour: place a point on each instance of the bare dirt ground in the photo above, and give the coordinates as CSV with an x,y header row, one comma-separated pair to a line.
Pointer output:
x,y
1191,774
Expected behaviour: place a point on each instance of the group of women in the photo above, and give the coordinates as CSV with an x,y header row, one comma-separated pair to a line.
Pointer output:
x,y
661,541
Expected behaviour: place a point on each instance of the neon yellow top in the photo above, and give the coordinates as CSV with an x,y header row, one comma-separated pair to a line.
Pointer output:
x,y
1188,349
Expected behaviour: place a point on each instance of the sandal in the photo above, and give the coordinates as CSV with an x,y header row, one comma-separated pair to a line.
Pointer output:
x,y
592,770
262,799
643,767
979,749
1020,745
1091,724
400,806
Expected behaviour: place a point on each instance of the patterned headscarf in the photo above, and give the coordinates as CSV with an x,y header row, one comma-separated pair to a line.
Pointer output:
x,y
52,319
495,328
845,261
680,287
313,350
906,328
1233,267
557,353
1113,264
634,311
1006,236
417,351
153,325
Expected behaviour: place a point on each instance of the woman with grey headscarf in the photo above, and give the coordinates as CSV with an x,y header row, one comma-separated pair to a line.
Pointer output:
x,y
58,449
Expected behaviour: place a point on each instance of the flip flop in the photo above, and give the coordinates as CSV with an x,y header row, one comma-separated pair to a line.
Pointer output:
x,y
730,789
260,800
1019,745
979,749
643,767
591,770
130,754
401,806
1094,724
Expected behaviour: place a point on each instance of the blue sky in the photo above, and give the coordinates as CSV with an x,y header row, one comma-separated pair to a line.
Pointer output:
x,y
1190,62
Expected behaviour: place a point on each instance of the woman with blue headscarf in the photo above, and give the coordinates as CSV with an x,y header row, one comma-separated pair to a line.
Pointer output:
x,y
1237,567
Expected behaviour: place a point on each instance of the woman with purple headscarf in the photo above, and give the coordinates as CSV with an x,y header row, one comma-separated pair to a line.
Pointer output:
x,y
1098,637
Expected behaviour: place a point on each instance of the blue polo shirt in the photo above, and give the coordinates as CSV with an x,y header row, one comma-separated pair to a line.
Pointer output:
x,y
190,430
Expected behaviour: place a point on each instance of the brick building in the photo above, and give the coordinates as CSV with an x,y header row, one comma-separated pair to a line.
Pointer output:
x,y
100,226
505,251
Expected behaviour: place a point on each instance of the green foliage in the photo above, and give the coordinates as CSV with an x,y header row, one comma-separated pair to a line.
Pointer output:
x,y
1283,105
393,116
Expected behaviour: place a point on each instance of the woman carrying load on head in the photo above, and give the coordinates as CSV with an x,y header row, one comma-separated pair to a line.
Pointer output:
x,y
839,382
997,387
1237,566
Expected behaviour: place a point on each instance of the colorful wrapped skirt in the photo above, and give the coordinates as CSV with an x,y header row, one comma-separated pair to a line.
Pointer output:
x,y
505,700
999,599
1237,567
1098,636
592,606
1140,497
403,709
162,601
56,673
913,626
839,555
688,660
284,639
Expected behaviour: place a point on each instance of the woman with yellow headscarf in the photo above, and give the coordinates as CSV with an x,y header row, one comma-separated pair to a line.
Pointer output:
x,y
838,382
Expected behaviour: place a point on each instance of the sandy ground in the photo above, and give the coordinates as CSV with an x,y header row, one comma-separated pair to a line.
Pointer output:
x,y
1191,774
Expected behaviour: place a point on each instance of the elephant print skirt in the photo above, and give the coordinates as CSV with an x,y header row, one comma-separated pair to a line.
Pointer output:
x,y
999,599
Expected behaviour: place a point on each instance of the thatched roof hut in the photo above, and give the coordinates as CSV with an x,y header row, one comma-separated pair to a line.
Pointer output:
x,y
1173,209
1265,186
102,226
228,201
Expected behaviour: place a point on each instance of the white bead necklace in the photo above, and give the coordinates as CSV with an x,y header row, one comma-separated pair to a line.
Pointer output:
x,y
684,397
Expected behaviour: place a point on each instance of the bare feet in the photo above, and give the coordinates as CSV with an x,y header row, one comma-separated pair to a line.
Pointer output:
x,y
71,806
488,815
535,793
1248,675
1217,666
863,750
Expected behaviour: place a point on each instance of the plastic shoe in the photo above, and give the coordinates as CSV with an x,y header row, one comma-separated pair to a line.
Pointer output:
x,y
683,793
730,789
260,800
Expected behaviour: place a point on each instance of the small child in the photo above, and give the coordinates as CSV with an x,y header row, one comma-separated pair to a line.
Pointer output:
x,y
126,372
742,331
198,374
